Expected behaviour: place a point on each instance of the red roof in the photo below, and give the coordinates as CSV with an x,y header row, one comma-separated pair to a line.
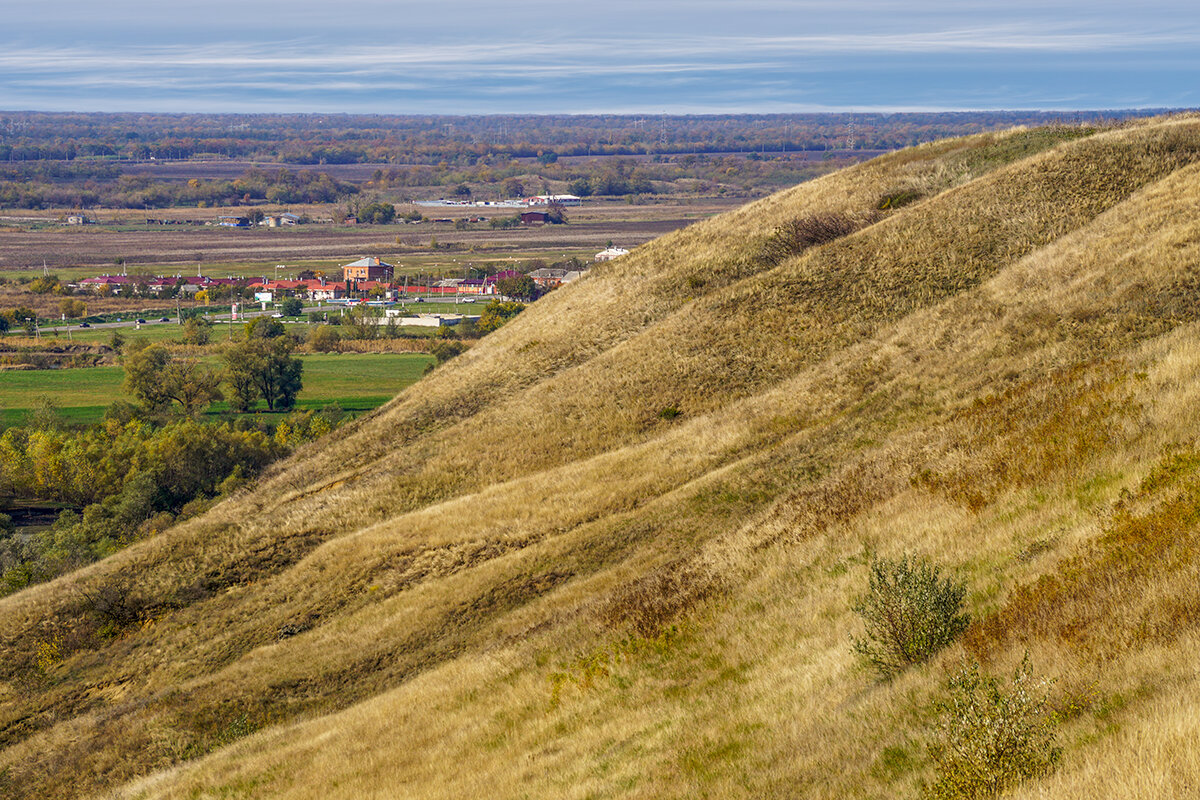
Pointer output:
x,y
107,280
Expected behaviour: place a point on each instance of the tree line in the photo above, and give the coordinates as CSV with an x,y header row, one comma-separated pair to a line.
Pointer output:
x,y
411,139
78,161
77,185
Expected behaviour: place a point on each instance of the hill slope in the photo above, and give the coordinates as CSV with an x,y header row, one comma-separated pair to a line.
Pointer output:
x,y
612,550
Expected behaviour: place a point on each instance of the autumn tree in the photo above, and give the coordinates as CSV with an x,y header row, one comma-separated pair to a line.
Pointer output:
x,y
263,367
197,330
496,313
72,309
158,380
520,286
324,338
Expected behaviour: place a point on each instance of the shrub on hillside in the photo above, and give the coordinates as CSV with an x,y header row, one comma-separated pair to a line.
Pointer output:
x,y
910,611
898,199
797,235
496,314
447,349
991,736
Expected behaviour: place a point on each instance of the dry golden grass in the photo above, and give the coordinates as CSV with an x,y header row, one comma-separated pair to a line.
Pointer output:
x,y
520,578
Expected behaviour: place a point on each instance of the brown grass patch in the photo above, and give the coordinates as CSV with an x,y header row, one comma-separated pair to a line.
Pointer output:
x,y
1031,432
1138,584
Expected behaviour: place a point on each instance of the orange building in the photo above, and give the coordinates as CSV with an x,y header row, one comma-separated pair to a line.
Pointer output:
x,y
367,269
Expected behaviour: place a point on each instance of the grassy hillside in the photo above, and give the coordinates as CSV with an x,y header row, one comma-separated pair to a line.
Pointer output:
x,y
613,550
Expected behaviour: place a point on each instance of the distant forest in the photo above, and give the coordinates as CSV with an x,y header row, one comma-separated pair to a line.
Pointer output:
x,y
90,160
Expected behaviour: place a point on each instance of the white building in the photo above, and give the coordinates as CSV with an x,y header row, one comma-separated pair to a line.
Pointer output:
x,y
551,199
433,320
280,220
611,253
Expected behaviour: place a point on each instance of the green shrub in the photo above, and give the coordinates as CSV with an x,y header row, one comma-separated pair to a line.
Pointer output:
x,y
291,307
910,612
446,349
991,736
496,314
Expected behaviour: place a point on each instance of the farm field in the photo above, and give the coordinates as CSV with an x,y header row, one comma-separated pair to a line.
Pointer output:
x,y
357,382
30,239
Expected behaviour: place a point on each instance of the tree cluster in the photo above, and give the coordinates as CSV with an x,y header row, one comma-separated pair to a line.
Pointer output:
x,y
139,190
259,368
544,139
127,478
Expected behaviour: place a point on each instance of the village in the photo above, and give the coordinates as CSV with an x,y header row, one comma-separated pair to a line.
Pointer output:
x,y
368,281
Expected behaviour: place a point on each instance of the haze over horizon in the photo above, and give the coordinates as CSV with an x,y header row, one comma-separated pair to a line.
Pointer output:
x,y
479,57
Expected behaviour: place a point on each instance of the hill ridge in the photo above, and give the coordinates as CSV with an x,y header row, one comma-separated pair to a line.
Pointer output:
x,y
398,584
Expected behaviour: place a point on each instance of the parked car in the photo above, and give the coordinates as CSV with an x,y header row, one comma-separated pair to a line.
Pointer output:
x,y
164,319
141,322
85,324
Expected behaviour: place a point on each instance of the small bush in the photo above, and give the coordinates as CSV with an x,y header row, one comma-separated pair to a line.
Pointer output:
x,y
898,199
911,613
446,349
325,339
797,235
990,736
117,605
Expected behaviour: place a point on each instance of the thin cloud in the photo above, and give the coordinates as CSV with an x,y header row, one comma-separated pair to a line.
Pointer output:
x,y
599,54
1096,62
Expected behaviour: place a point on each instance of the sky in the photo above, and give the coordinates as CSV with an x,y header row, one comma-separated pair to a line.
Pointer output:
x,y
598,56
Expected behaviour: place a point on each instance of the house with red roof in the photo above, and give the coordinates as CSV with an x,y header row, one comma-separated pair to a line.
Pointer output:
x,y
104,284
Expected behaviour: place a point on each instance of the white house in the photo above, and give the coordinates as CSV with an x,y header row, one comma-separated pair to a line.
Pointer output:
x,y
551,199
435,320
610,253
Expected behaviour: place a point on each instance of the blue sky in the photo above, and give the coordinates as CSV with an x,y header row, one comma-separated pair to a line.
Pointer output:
x,y
601,56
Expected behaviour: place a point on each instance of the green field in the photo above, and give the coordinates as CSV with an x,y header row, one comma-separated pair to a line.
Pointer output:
x,y
156,332
357,382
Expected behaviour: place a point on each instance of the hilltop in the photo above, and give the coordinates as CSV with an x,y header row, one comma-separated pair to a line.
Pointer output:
x,y
613,549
